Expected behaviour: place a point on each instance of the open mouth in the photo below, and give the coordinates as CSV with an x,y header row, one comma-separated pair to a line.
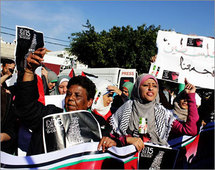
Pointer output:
x,y
150,94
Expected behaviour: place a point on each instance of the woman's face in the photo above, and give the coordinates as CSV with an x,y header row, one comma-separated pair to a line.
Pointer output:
x,y
107,99
148,90
51,85
76,99
62,88
125,91
183,104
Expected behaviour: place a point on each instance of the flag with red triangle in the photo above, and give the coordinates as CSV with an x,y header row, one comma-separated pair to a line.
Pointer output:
x,y
72,73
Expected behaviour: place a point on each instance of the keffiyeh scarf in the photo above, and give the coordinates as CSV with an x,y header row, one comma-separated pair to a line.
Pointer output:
x,y
162,122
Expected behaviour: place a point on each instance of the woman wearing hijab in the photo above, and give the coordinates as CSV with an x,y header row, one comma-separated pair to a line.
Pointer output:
x,y
127,89
180,105
102,104
52,80
61,85
122,95
144,103
103,98
49,79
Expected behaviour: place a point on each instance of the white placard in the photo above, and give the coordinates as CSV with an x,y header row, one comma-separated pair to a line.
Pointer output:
x,y
185,56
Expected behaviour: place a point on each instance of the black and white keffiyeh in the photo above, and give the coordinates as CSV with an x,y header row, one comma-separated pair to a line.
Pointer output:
x,y
163,122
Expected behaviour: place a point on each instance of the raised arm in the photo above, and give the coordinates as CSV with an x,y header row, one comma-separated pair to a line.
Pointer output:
x,y
28,109
190,126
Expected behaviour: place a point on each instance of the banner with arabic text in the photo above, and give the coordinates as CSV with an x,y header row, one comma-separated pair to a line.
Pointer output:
x,y
184,56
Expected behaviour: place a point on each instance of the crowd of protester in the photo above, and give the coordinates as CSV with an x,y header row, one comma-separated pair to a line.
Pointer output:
x,y
169,113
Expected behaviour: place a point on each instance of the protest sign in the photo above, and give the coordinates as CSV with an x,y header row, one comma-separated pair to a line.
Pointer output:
x,y
57,100
184,56
64,130
27,40
157,157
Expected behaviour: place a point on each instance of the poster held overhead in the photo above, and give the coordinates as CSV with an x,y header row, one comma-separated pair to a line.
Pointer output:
x,y
27,40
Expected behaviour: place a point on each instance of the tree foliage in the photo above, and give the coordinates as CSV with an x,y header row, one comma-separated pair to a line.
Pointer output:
x,y
123,47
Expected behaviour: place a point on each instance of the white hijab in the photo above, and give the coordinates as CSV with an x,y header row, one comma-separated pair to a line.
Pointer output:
x,y
101,89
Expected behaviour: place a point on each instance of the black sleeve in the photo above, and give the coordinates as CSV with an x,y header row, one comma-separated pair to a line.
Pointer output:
x,y
28,109
105,126
124,97
8,121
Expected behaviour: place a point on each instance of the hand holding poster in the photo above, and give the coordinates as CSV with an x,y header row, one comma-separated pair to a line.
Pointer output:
x,y
185,56
27,40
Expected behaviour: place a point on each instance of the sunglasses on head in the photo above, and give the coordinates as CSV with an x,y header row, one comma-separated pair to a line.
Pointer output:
x,y
110,94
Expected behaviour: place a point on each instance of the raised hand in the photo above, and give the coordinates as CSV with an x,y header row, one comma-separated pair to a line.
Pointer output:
x,y
34,59
114,89
189,88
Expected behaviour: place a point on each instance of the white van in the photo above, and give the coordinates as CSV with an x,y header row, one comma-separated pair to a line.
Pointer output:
x,y
117,76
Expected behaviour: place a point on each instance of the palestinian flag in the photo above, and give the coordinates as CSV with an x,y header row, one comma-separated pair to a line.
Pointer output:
x,y
72,73
198,151
82,156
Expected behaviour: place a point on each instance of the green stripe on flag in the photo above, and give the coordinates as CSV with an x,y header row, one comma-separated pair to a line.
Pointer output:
x,y
83,160
187,143
131,159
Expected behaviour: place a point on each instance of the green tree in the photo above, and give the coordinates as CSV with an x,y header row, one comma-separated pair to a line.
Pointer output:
x,y
120,47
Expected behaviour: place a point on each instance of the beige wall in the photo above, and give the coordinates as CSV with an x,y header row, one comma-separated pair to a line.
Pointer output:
x,y
7,50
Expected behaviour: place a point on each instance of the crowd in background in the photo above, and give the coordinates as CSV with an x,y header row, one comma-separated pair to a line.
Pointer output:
x,y
169,111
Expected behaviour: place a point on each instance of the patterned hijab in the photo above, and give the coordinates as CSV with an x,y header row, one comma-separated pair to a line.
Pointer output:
x,y
126,118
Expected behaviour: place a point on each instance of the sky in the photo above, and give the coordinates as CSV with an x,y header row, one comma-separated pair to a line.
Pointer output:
x,y
58,19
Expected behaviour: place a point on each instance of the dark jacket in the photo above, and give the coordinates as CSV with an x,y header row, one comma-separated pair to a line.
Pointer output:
x,y
9,123
118,101
31,112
